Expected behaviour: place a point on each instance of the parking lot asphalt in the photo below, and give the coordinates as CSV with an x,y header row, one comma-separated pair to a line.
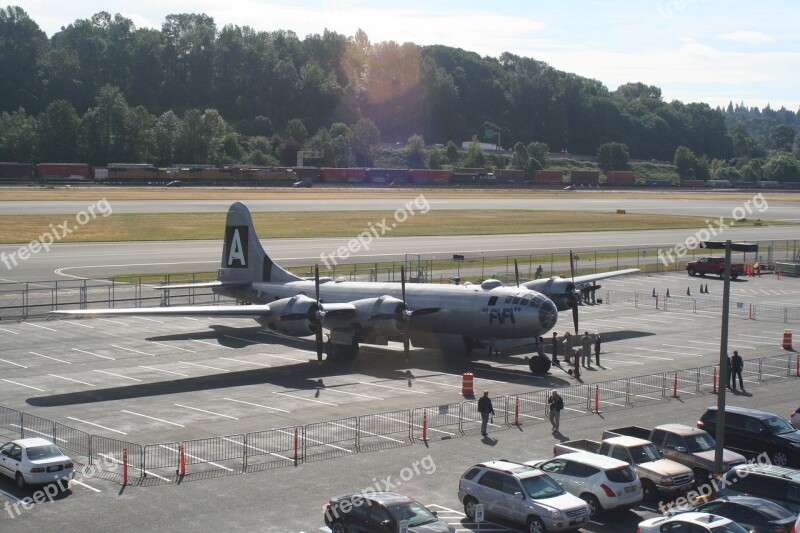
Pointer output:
x,y
150,380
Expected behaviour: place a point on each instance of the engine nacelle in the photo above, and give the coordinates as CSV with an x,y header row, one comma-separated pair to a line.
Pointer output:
x,y
291,316
559,290
380,316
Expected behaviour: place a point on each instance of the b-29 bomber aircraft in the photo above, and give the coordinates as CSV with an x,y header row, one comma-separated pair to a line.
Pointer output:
x,y
453,318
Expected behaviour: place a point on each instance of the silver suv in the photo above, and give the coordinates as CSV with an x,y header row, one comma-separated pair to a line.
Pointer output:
x,y
522,494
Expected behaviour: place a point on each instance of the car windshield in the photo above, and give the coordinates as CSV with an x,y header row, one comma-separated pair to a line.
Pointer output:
x,y
733,527
48,451
645,453
415,513
541,487
700,442
778,426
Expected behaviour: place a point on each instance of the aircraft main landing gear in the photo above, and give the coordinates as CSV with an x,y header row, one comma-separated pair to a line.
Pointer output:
x,y
539,364
340,352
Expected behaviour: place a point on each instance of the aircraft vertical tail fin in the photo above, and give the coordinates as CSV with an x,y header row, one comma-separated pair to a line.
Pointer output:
x,y
243,257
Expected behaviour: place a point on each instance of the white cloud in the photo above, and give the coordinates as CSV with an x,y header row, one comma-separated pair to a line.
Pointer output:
x,y
747,37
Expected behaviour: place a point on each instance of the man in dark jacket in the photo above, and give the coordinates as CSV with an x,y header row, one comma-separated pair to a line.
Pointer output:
x,y
737,364
555,348
556,404
485,409
597,342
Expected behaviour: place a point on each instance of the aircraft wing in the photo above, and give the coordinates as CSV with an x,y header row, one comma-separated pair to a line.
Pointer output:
x,y
253,311
206,285
588,278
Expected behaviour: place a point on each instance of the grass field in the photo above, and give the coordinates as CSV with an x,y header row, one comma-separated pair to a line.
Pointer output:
x,y
192,226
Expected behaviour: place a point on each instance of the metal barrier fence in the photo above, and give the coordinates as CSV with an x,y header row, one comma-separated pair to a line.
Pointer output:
x,y
275,448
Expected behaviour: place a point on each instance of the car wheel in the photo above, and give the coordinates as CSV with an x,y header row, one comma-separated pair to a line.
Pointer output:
x,y
338,527
701,477
535,525
650,491
692,272
779,459
593,503
734,276
469,507
20,480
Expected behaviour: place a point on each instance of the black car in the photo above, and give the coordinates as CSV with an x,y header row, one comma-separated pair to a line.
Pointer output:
x,y
754,514
373,512
752,432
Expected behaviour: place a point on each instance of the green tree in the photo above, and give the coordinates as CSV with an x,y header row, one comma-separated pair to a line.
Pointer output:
x,y
22,43
231,148
613,156
475,157
686,162
781,137
520,158
415,151
727,173
452,152
17,136
166,134
57,133
436,158
782,166
752,170
364,138
539,151
103,128
296,129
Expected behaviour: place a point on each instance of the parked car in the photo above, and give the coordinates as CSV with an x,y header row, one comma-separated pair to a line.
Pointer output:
x,y
794,420
301,184
690,523
754,514
174,183
713,265
773,483
602,482
380,511
522,494
34,461
752,432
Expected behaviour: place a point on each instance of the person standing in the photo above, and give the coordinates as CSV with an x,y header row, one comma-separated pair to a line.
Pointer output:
x,y
555,348
729,367
576,364
737,364
540,347
567,346
539,272
597,343
486,409
556,404
586,355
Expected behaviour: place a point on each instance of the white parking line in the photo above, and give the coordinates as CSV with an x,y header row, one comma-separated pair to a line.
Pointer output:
x,y
162,370
53,358
625,362
22,385
306,399
116,375
331,389
266,452
13,363
70,379
519,375
215,345
390,387
94,354
75,323
132,350
437,383
368,433
97,425
198,458
148,472
257,405
9,331
149,319
245,362
320,442
39,326
82,484
153,418
282,357
204,366
173,347
10,495
204,411
242,339
112,321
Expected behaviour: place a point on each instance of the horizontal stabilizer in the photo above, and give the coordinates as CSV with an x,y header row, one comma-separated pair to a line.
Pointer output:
x,y
252,311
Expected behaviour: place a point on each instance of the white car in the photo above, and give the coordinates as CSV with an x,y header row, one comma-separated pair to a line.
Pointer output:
x,y
34,462
795,419
604,483
694,522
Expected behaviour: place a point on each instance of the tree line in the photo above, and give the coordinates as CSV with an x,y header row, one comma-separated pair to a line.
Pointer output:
x,y
102,90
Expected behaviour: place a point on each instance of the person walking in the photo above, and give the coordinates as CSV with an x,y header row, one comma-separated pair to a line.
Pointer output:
x,y
586,355
567,346
597,343
486,409
556,404
539,272
737,364
555,348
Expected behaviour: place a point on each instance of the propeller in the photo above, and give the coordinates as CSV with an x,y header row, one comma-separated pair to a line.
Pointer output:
x,y
572,294
318,315
407,314
516,272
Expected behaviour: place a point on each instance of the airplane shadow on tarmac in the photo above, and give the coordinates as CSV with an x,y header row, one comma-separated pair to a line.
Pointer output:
x,y
373,361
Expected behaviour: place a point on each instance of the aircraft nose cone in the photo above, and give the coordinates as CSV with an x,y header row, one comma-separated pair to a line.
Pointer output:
x,y
548,315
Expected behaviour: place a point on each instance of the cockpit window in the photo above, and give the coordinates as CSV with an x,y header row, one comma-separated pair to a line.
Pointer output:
x,y
508,299
525,302
535,302
493,300
515,301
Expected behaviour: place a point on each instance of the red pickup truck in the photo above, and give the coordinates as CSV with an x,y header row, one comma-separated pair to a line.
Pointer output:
x,y
713,265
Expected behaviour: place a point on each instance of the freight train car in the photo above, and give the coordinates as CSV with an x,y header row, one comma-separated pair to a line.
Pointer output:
x,y
269,176
21,172
620,178
548,177
54,172
585,177
507,175
423,176
387,175
202,175
467,176
137,174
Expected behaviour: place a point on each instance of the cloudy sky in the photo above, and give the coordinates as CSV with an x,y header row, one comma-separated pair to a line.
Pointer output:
x,y
710,51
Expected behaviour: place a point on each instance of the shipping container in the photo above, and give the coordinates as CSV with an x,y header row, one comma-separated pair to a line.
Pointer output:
x,y
16,172
584,177
548,177
790,185
719,184
307,173
620,178
333,174
658,183
63,171
356,175
509,173
386,175
426,175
